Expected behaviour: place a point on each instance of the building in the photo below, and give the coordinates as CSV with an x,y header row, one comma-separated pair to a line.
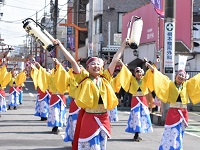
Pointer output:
x,y
106,22
152,39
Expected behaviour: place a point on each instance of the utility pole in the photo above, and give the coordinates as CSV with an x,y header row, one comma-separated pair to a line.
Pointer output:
x,y
55,20
90,27
36,45
169,46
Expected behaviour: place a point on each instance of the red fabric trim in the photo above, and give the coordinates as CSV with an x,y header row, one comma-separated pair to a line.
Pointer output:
x,y
134,101
54,99
83,79
89,125
3,93
12,89
173,116
41,94
77,130
73,107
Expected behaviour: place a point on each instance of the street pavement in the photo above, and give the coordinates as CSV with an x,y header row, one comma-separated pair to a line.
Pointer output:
x,y
20,130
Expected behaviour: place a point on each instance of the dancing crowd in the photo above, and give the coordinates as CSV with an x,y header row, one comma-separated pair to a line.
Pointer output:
x,y
94,94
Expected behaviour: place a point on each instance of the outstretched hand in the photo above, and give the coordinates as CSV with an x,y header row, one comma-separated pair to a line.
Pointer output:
x,y
56,61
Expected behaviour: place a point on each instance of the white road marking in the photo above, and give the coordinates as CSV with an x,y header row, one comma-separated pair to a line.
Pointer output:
x,y
31,94
192,134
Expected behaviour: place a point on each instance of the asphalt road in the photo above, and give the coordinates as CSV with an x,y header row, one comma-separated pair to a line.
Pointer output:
x,y
20,129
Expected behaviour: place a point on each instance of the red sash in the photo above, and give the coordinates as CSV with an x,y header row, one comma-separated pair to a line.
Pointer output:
x,y
42,95
73,107
77,130
12,89
82,130
89,121
173,116
56,98
2,93
134,101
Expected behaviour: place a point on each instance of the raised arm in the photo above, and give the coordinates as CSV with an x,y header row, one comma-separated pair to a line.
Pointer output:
x,y
116,57
68,56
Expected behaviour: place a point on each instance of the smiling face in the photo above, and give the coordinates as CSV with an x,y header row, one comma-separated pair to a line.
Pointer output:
x,y
94,68
138,74
180,77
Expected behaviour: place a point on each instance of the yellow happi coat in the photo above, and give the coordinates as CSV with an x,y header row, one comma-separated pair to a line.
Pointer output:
x,y
88,94
5,77
19,80
57,82
130,84
167,91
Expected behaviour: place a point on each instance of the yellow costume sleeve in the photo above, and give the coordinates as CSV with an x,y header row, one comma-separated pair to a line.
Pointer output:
x,y
193,88
34,76
3,72
125,77
108,95
72,87
70,72
150,80
43,79
61,79
6,80
161,85
106,74
21,78
115,83
80,77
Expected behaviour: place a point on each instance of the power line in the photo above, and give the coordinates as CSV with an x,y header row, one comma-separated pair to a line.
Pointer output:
x,y
26,17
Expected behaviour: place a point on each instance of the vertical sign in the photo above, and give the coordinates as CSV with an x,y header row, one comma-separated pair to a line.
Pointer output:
x,y
169,47
90,49
69,34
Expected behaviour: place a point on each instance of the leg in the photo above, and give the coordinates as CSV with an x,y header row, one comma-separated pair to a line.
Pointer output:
x,y
55,130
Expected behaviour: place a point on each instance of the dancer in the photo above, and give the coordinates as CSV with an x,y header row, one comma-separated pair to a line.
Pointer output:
x,y
73,110
43,98
139,119
95,96
57,83
5,78
16,81
176,94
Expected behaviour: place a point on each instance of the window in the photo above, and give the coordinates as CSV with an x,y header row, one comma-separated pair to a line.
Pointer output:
x,y
120,14
98,25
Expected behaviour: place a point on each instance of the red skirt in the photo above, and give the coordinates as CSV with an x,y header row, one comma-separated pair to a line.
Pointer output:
x,y
55,98
174,116
134,101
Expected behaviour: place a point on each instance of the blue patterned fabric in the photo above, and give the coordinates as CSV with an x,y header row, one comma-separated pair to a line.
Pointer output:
x,y
13,99
70,127
42,107
172,138
57,115
139,120
96,143
113,115
3,107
